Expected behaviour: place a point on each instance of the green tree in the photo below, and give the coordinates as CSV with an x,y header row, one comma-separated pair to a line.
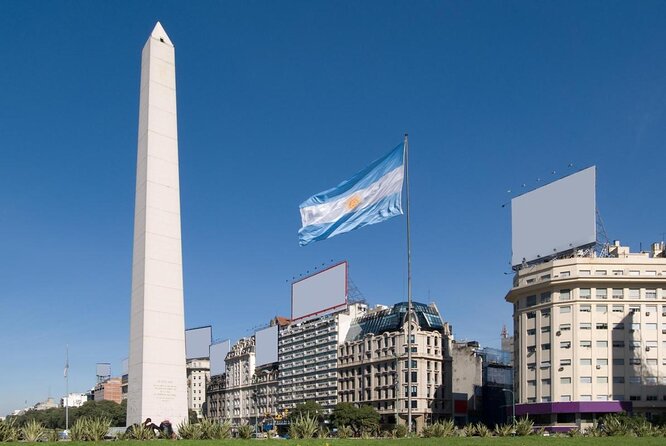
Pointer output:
x,y
364,419
309,409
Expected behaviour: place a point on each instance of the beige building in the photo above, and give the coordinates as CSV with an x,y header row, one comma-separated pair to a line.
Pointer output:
x,y
372,364
198,374
245,393
590,336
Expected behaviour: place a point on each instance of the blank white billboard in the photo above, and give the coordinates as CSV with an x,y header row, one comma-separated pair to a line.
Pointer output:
x,y
197,342
554,218
218,352
266,345
319,293
103,369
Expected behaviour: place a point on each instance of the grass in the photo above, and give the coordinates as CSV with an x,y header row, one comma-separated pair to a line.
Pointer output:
x,y
449,441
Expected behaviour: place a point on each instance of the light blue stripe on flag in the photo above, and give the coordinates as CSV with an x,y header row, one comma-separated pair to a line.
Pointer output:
x,y
371,196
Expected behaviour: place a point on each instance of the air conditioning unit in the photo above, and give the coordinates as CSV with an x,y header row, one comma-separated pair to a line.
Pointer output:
x,y
647,313
598,367
560,369
558,332
647,349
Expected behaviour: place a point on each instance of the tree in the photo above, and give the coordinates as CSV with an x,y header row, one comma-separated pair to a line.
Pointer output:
x,y
55,418
308,409
361,419
192,416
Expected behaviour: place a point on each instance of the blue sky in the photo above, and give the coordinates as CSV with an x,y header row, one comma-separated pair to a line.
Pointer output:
x,y
278,101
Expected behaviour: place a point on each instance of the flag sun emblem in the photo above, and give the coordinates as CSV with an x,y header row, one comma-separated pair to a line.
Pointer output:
x,y
353,202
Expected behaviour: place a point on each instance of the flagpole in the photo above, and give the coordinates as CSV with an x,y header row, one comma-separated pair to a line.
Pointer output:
x,y
409,295
67,388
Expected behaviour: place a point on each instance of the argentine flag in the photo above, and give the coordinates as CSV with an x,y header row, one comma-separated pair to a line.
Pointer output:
x,y
371,196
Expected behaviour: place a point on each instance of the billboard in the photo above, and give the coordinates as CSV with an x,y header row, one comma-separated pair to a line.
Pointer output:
x,y
557,217
197,342
266,345
218,351
319,293
103,369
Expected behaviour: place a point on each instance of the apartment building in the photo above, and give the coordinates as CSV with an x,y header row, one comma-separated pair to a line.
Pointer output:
x,y
308,357
372,363
590,336
198,374
245,393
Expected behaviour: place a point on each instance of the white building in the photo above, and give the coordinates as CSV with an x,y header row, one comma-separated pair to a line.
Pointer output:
x,y
308,357
73,400
198,374
590,336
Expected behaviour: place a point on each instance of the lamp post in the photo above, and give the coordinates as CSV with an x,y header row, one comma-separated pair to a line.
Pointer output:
x,y
513,404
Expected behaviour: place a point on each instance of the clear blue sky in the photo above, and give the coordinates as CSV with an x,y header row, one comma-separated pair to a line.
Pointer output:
x,y
278,101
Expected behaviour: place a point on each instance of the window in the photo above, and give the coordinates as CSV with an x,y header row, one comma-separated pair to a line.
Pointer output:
x,y
565,344
602,380
545,329
618,272
530,301
565,327
634,293
586,397
545,277
545,297
565,294
618,308
601,272
635,326
602,293
634,309
564,362
602,344
602,362
565,380
531,314
618,293
565,398
618,326
651,362
565,309
618,361
650,273
602,326
565,273
587,344
651,397
585,361
618,380
634,380
585,293
545,313
545,364
531,332
585,308
584,272
650,326
634,272
585,326
545,346
545,382
531,382
651,344
602,397
586,380
650,294
602,309
635,361
633,345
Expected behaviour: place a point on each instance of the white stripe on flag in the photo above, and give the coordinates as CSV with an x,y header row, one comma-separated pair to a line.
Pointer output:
x,y
333,210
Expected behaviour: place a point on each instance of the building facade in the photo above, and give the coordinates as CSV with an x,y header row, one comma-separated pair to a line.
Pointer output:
x,y
308,357
245,393
372,364
198,374
108,390
590,336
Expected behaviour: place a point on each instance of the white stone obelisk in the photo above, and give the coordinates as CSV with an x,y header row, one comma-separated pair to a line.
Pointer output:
x,y
157,381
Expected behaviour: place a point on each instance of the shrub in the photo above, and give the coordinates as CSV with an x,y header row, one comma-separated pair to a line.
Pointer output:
x,y
524,426
52,435
90,429
482,430
32,431
214,430
138,432
439,429
346,432
303,427
400,431
244,431
9,431
189,431
323,432
575,432
503,430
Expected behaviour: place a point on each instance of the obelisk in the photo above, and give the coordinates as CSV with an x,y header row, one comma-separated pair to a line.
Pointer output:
x,y
157,380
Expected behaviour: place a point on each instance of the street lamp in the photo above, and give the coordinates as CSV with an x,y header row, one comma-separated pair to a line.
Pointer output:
x,y
513,403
